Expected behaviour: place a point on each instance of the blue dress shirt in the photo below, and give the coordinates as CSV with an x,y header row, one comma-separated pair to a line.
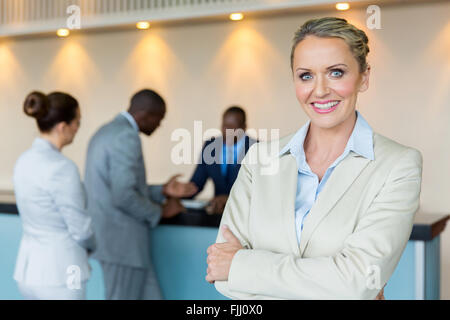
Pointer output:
x,y
230,154
308,185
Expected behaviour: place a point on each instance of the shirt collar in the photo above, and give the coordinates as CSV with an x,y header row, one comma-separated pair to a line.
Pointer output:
x,y
130,119
296,143
360,141
362,138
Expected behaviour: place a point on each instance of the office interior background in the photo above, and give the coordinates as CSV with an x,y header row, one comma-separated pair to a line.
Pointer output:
x,y
201,62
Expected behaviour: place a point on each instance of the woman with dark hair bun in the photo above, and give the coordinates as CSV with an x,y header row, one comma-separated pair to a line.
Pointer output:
x,y
52,262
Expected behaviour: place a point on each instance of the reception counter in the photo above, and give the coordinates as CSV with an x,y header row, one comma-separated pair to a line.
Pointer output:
x,y
179,255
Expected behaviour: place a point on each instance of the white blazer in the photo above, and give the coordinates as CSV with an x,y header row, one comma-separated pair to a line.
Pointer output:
x,y
352,238
56,229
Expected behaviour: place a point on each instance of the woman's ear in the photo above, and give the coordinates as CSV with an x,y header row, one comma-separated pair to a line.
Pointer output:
x,y
60,128
364,84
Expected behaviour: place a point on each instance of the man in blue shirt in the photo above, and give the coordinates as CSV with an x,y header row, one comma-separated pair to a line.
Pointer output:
x,y
221,158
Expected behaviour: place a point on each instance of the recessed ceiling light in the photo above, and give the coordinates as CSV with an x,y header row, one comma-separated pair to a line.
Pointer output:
x,y
236,16
63,32
342,6
143,25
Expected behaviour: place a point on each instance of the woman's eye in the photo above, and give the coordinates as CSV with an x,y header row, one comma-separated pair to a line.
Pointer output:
x,y
337,73
305,76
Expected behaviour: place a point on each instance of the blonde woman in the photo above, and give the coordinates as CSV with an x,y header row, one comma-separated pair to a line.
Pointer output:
x,y
334,219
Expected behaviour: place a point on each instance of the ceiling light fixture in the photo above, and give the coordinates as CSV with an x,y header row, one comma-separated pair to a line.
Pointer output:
x,y
342,6
143,25
62,32
236,16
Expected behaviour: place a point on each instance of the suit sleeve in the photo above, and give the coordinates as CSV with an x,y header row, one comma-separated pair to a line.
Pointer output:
x,y
156,193
70,199
370,253
126,191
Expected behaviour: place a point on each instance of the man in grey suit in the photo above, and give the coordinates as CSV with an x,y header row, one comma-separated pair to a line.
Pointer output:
x,y
123,207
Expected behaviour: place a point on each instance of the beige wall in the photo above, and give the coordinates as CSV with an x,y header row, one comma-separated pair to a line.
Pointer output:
x,y
200,69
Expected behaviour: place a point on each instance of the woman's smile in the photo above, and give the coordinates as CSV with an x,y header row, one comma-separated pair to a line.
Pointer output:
x,y
325,106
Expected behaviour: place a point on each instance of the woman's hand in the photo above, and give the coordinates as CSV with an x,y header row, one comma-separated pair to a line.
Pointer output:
x,y
220,256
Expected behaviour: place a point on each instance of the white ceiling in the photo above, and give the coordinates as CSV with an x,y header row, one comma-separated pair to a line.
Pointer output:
x,y
35,17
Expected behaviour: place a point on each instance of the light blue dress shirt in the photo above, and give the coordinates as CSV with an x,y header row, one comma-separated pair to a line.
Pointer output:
x,y
308,185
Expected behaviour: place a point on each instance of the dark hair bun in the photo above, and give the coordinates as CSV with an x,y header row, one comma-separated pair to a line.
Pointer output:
x,y
36,105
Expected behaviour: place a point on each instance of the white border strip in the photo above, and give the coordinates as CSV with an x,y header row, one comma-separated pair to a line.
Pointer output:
x,y
419,261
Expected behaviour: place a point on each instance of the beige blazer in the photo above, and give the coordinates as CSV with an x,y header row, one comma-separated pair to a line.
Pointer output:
x,y
352,238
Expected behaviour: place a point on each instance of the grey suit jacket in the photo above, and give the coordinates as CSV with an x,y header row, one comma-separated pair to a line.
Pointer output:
x,y
122,205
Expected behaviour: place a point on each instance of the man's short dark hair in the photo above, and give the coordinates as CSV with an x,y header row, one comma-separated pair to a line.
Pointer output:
x,y
148,101
238,111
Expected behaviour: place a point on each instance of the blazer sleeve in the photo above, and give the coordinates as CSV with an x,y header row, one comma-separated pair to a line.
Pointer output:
x,y
70,199
125,161
375,245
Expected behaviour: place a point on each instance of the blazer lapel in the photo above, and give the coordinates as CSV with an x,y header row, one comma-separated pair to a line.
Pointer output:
x,y
287,189
244,150
340,180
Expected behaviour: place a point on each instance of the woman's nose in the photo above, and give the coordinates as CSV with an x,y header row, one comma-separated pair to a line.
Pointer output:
x,y
321,88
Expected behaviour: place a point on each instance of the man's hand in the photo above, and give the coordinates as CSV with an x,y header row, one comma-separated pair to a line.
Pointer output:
x,y
220,256
217,204
172,207
176,189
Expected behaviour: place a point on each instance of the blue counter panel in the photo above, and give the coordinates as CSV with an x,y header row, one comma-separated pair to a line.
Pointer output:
x,y
401,285
179,257
10,233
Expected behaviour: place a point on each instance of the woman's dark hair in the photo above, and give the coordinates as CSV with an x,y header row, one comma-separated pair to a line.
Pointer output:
x,y
49,110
